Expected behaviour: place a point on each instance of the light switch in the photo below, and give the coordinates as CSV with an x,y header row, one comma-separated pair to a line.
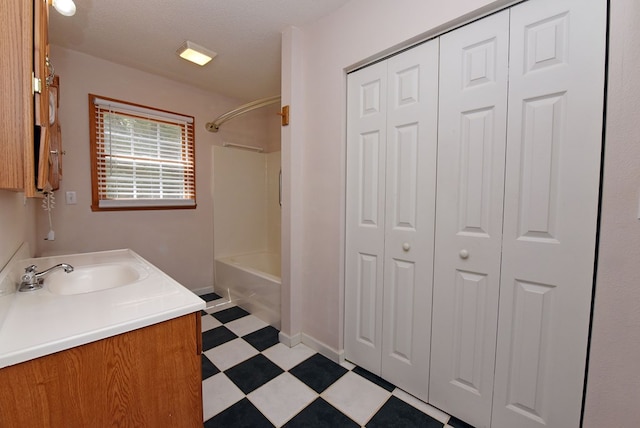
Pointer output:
x,y
71,198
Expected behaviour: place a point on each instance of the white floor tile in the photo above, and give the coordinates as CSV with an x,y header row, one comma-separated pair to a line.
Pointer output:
x,y
209,322
282,398
356,397
287,358
436,414
218,393
245,325
348,365
231,353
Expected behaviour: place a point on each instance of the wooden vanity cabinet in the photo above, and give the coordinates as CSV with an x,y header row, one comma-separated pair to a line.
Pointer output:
x,y
150,377
24,111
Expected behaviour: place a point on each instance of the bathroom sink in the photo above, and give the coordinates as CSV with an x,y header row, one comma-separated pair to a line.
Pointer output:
x,y
90,278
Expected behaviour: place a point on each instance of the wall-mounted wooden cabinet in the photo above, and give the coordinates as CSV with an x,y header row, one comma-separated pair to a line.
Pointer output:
x,y
16,110
24,112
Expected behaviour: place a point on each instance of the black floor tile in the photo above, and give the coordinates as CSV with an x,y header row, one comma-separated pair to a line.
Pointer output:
x,y
230,314
263,339
318,372
210,297
320,414
253,373
215,337
243,414
208,368
397,413
203,313
374,378
457,423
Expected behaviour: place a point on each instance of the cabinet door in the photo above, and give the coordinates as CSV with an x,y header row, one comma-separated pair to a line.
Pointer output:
x,y
471,151
55,137
365,211
16,110
42,71
412,116
551,206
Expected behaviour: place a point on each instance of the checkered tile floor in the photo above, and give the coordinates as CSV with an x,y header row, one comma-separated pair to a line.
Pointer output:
x,y
252,380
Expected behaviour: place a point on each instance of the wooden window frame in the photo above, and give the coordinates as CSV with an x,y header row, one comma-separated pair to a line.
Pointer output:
x,y
98,200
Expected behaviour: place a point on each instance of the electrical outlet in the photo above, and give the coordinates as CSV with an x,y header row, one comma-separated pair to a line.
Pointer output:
x,y
71,198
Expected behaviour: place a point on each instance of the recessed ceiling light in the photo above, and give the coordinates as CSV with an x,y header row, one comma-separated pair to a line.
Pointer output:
x,y
195,53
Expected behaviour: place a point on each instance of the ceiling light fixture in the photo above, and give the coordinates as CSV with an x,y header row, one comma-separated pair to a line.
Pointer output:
x,y
195,53
64,7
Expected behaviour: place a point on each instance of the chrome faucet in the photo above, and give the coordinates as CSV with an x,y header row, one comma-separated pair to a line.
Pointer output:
x,y
32,280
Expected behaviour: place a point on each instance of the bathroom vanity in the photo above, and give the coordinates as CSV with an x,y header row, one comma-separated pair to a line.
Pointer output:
x,y
128,355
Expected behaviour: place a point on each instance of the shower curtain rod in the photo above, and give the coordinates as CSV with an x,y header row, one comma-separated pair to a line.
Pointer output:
x,y
214,126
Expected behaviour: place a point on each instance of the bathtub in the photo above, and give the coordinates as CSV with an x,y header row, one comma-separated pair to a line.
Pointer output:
x,y
251,281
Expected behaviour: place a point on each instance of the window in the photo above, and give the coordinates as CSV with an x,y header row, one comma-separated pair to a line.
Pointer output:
x,y
141,157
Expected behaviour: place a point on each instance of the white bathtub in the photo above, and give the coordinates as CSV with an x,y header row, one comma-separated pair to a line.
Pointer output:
x,y
252,281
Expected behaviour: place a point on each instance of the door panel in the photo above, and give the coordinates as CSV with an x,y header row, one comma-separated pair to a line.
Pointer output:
x,y
541,134
475,172
365,215
366,309
552,177
471,150
401,293
411,172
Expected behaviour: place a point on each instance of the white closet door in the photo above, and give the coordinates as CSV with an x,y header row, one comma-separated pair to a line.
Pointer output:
x,y
471,153
365,210
412,119
551,206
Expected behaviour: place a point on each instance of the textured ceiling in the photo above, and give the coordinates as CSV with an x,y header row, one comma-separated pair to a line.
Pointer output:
x,y
145,34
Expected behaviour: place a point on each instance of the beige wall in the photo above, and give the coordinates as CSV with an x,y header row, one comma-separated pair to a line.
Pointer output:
x,y
180,242
240,220
273,205
314,62
246,210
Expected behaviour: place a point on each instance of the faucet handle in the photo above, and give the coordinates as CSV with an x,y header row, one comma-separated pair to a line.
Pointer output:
x,y
27,280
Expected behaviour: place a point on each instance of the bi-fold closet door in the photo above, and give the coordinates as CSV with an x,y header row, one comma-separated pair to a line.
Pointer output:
x,y
512,245
474,63
391,167
519,148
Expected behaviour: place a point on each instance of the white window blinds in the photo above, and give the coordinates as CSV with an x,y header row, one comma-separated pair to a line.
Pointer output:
x,y
143,158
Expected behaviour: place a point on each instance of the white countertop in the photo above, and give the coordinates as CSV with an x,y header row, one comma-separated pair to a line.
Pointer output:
x,y
40,322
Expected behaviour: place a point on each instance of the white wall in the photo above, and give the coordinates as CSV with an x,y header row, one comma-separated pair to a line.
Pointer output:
x,y
613,390
292,186
274,126
318,56
180,242
17,223
361,30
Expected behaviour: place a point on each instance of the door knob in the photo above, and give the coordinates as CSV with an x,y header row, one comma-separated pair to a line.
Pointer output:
x,y
406,246
464,254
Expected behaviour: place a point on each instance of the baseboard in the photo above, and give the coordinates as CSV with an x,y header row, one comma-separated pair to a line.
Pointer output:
x,y
322,348
290,341
311,342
